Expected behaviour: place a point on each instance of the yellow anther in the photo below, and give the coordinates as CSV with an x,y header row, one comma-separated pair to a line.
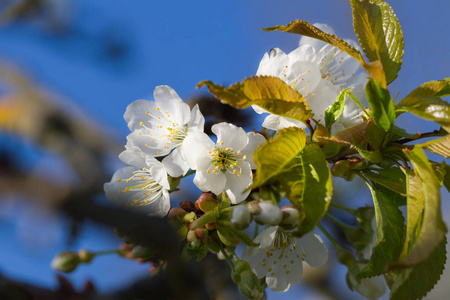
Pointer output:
x,y
119,180
142,123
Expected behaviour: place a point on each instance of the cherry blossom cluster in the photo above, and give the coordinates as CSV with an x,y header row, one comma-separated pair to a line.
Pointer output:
x,y
167,140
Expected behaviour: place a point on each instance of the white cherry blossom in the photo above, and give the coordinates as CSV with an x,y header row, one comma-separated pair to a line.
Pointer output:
x,y
318,71
159,127
280,256
225,165
142,185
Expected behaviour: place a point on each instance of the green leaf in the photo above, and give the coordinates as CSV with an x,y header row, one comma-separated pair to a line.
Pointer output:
x,y
351,136
302,170
438,146
381,104
425,228
391,178
390,233
307,180
270,93
416,282
305,28
425,102
334,111
272,157
379,34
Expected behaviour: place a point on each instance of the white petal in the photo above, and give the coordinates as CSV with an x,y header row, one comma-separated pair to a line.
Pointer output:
x,y
209,181
266,237
314,248
136,113
158,172
254,141
197,121
230,135
134,158
236,185
196,146
171,104
275,122
286,270
258,109
371,288
159,208
113,187
304,76
273,64
325,95
317,44
149,145
175,164
303,53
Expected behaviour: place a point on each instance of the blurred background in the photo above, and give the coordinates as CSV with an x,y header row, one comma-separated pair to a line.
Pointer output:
x,y
68,70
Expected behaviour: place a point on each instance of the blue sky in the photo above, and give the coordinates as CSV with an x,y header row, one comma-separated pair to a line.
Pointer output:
x,y
117,51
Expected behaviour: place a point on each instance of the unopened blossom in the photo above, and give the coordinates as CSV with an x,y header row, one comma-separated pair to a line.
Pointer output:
x,y
371,288
225,165
318,71
142,185
280,256
159,127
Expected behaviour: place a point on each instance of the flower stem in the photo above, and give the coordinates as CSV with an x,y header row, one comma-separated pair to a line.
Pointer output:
x,y
336,222
118,251
345,208
208,217
256,230
329,237
227,257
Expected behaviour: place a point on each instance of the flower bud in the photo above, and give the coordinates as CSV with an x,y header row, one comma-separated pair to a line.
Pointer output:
x,y
188,206
254,208
239,267
206,202
211,226
240,217
176,213
250,286
371,288
66,261
342,168
291,217
270,214
199,234
85,256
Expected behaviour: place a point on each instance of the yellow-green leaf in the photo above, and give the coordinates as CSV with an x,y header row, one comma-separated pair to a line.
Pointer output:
x,y
425,228
439,146
305,28
425,102
390,233
302,171
416,282
381,104
270,93
379,34
273,156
